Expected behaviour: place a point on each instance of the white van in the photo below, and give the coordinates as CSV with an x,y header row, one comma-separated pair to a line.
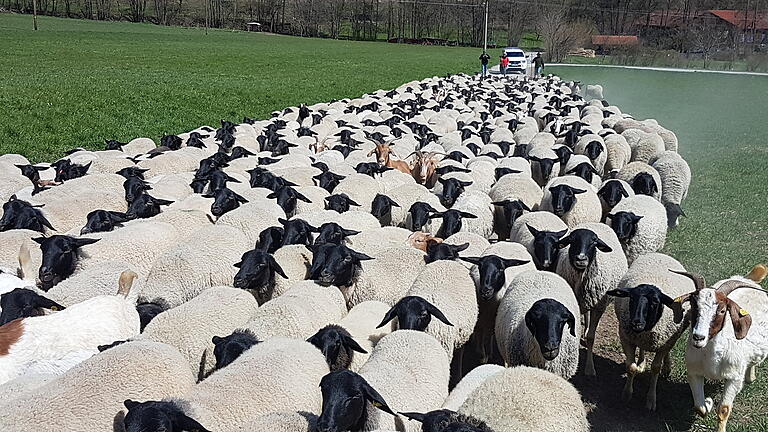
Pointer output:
x,y
517,60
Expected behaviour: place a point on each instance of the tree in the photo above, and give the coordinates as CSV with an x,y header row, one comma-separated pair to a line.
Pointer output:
x,y
560,35
706,39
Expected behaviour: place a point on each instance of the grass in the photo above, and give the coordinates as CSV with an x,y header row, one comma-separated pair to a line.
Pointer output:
x,y
74,83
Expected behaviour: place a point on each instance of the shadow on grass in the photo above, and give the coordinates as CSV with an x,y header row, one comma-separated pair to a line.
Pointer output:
x,y
608,412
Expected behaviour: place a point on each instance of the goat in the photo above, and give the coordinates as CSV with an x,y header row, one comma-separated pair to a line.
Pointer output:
x,y
383,151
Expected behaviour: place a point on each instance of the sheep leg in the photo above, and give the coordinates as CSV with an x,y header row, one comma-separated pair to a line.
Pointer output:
x,y
641,361
732,388
629,355
666,368
594,320
702,404
751,374
656,366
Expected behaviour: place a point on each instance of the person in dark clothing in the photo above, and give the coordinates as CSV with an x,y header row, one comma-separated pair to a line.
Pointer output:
x,y
538,65
484,57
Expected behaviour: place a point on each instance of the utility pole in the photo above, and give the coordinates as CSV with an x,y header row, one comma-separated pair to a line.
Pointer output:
x,y
207,14
485,30
34,14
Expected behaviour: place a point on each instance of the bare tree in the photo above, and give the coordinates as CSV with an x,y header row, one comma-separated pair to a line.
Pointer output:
x,y
706,39
560,35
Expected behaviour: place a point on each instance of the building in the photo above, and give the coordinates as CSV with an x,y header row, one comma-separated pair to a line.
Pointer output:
x,y
603,44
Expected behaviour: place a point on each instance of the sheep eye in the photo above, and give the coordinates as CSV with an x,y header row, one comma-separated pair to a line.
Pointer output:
x,y
347,259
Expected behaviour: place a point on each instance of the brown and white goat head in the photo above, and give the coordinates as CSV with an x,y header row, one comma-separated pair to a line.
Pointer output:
x,y
709,307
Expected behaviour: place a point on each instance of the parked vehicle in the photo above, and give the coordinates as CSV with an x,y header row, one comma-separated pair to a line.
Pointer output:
x,y
517,60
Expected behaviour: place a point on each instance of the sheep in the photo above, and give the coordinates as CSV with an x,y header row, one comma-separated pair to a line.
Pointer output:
x,y
282,422
479,205
649,145
371,241
531,321
580,166
96,280
722,349
491,273
53,344
572,199
166,414
675,177
640,223
591,274
645,322
204,259
252,218
351,220
299,313
618,153
360,188
387,277
643,178
611,192
468,384
410,371
273,376
539,233
592,146
527,399
190,326
90,395
361,322
546,166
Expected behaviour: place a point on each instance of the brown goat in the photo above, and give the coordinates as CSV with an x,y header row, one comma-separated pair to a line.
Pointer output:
x,y
421,240
424,168
382,151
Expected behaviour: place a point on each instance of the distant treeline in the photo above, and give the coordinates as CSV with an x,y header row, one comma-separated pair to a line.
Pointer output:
x,y
448,22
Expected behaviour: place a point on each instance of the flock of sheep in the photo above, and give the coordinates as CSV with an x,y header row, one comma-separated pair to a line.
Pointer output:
x,y
360,265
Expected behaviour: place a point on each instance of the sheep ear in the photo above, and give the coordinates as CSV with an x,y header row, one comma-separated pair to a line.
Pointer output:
x,y
237,264
45,222
162,202
740,318
216,340
677,307
276,267
511,262
624,192
351,343
414,416
435,312
80,242
571,320
189,424
467,215
303,198
348,233
240,199
129,404
375,398
47,303
619,292
435,216
534,232
473,260
38,240
360,256
577,191
390,315
349,200
272,195
603,247
523,206
461,247
563,242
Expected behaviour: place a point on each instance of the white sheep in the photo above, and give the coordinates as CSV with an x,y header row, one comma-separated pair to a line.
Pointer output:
x,y
189,327
374,240
653,326
90,395
202,260
479,204
276,375
299,313
536,307
675,177
468,384
639,236
252,218
410,370
592,145
387,277
593,263
634,171
540,221
53,344
527,399
584,204
618,153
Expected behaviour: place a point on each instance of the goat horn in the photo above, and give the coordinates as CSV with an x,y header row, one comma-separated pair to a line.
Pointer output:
x,y
729,286
698,280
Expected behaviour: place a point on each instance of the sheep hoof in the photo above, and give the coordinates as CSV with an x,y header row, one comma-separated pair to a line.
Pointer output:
x,y
751,374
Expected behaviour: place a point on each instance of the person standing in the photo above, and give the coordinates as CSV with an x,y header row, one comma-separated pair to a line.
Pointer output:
x,y
504,64
538,65
484,57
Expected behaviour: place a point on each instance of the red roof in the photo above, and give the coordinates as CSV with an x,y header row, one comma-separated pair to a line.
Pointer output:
x,y
742,20
614,40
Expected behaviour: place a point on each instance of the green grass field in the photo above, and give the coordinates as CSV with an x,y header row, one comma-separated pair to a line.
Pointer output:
x,y
74,83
